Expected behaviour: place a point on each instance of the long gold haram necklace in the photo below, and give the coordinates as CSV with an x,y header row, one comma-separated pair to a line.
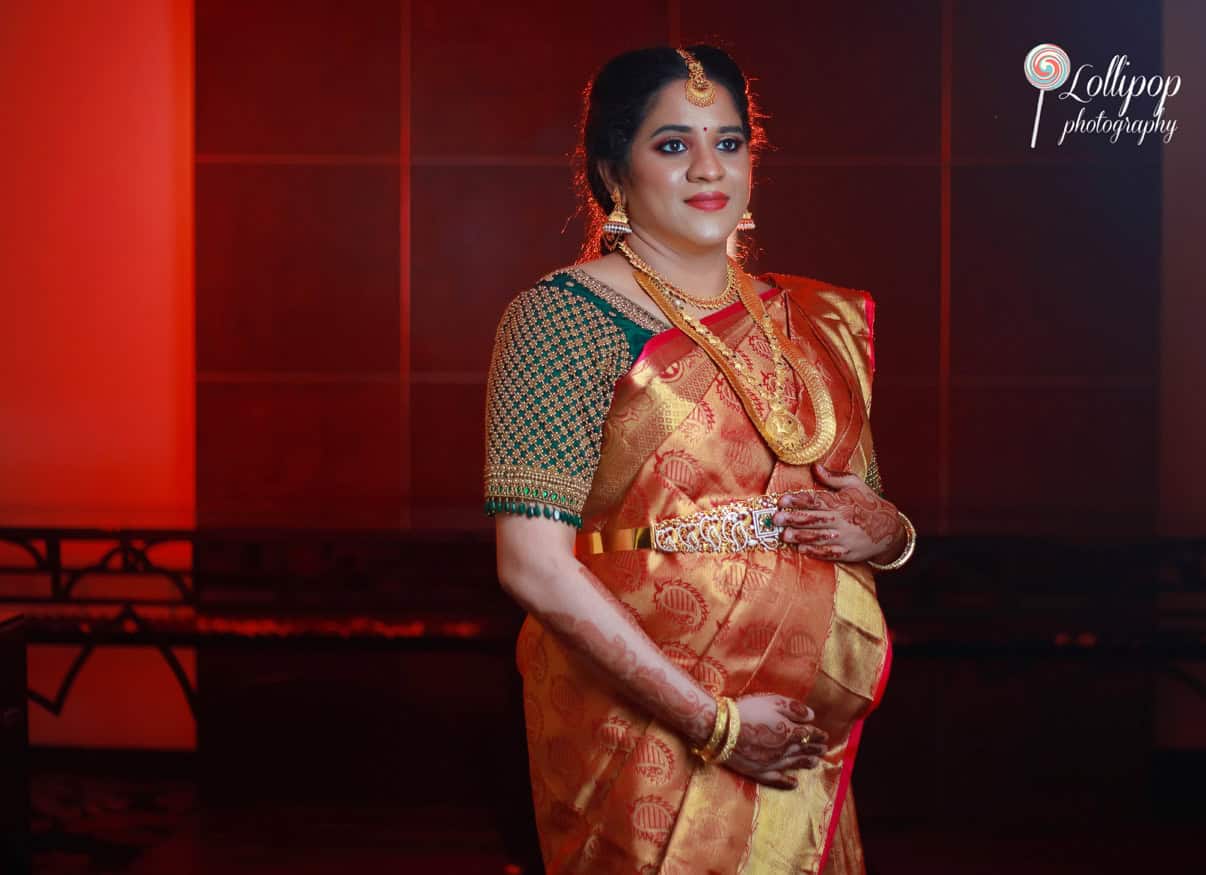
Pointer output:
x,y
781,428
728,296
752,384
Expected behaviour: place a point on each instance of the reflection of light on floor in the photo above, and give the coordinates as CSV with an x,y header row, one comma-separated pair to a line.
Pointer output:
x,y
346,627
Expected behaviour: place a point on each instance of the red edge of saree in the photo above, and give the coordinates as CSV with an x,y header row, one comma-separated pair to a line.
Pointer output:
x,y
856,735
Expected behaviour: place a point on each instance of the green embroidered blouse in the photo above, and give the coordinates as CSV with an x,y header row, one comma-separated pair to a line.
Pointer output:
x,y
559,349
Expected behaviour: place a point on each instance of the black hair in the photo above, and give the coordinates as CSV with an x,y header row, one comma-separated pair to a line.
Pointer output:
x,y
615,104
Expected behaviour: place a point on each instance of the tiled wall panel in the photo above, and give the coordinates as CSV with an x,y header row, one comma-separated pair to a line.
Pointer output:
x,y
301,77
1017,290
298,268
299,260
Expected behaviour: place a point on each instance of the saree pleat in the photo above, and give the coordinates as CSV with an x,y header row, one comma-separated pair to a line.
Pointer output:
x,y
616,792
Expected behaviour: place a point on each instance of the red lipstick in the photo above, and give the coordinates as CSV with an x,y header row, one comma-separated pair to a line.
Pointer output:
x,y
709,200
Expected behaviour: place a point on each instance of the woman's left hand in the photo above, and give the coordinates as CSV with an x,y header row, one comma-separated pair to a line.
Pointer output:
x,y
849,524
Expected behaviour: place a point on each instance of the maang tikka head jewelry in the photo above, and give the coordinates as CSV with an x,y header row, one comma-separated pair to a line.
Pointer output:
x,y
700,90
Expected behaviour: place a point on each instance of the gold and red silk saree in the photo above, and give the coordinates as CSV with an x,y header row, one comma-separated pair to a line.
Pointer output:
x,y
616,792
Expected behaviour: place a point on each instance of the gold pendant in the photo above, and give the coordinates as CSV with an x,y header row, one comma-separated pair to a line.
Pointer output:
x,y
784,426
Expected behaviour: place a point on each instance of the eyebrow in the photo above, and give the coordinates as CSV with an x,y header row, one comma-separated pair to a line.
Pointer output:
x,y
686,129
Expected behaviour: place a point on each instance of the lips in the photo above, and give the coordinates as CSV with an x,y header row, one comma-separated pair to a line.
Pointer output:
x,y
709,200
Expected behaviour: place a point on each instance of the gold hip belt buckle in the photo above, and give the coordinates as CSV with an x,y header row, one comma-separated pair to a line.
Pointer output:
x,y
745,524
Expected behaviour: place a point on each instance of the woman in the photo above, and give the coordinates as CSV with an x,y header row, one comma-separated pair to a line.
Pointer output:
x,y
680,463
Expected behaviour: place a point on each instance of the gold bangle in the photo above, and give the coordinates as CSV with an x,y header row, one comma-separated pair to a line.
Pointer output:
x,y
730,743
906,554
708,751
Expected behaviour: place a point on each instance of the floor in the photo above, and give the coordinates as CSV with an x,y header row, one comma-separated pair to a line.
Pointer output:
x,y
155,825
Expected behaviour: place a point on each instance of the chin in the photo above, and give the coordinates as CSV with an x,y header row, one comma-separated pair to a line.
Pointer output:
x,y
707,235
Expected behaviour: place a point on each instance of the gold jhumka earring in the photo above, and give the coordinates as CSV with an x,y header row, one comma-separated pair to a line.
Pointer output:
x,y
700,91
746,222
616,228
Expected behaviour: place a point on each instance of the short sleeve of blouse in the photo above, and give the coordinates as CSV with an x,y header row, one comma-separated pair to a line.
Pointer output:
x,y
558,352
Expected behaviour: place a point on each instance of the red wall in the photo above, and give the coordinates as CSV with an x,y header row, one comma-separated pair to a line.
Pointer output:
x,y
376,180
96,320
96,338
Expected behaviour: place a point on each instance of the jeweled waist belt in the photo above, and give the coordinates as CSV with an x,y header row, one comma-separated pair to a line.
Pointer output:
x,y
745,524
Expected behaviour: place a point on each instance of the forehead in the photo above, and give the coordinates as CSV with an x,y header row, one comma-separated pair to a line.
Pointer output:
x,y
671,107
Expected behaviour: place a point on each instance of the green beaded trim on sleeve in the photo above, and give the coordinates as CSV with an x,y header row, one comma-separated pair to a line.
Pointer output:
x,y
532,509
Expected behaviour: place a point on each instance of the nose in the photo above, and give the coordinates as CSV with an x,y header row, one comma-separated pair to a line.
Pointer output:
x,y
705,167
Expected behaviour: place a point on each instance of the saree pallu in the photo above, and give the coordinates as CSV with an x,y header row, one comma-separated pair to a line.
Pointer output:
x,y
613,790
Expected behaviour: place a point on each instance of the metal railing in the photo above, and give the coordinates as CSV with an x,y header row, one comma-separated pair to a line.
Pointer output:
x,y
961,597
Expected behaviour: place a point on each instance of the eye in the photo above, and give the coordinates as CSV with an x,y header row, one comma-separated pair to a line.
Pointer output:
x,y
672,147
730,144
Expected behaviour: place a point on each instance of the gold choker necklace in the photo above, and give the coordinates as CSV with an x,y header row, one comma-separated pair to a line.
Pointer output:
x,y
724,299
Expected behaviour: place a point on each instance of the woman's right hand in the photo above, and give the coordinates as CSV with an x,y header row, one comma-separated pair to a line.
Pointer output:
x,y
771,744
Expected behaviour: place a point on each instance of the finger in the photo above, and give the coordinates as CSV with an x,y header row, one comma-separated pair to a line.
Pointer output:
x,y
815,735
836,479
812,747
807,740
790,535
797,749
793,749
802,761
830,551
803,499
776,778
797,712
809,536
801,519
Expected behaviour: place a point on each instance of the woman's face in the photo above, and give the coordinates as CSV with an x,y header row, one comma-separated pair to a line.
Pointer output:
x,y
688,178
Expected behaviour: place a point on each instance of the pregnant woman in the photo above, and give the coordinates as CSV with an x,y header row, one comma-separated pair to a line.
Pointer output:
x,y
680,463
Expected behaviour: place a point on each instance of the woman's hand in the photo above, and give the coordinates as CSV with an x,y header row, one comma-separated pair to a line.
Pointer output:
x,y
771,742
850,524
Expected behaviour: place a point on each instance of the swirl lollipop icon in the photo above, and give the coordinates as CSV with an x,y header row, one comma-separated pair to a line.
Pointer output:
x,y
1046,69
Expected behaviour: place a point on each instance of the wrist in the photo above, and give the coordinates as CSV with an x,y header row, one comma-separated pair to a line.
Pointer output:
x,y
902,553
723,738
699,730
895,546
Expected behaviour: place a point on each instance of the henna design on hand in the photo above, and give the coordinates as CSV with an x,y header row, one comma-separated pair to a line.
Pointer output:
x,y
869,512
809,536
828,551
765,744
591,640
654,684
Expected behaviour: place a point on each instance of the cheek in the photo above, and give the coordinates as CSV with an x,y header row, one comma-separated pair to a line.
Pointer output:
x,y
657,186
660,177
739,169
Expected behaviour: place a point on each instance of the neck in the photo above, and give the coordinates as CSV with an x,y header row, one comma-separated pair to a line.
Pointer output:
x,y
701,272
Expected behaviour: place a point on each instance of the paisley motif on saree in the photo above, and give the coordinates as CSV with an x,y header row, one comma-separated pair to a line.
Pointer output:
x,y
616,792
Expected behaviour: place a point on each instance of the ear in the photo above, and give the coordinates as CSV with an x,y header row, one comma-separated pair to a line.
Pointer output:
x,y
610,177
